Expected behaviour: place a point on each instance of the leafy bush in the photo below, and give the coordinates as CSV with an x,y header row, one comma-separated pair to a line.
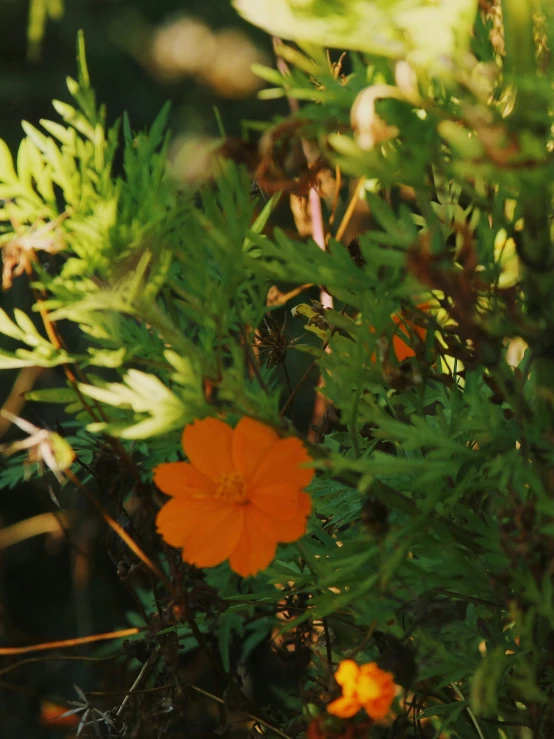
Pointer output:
x,y
430,546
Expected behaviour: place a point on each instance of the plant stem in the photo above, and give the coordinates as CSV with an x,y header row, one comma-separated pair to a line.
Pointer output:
x,y
120,531
6,651
468,709
530,118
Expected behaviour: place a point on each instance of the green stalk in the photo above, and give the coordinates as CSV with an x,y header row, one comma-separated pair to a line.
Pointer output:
x,y
530,118
518,36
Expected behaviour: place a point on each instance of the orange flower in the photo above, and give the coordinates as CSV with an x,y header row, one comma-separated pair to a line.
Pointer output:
x,y
52,714
317,729
238,497
366,686
401,349
409,329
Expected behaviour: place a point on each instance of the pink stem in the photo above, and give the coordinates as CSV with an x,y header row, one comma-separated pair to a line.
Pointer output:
x,y
318,235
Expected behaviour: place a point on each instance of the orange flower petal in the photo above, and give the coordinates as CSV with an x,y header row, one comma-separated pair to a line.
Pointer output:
x,y
207,443
276,500
213,542
52,714
181,479
254,551
285,531
282,462
304,504
347,675
252,441
372,671
379,707
401,349
181,517
409,329
344,707
368,686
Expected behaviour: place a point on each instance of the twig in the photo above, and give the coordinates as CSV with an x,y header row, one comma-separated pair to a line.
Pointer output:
x,y
56,658
468,709
338,181
282,66
6,651
364,641
469,598
289,386
350,210
42,523
57,341
146,666
15,401
318,235
275,298
307,372
99,693
297,388
120,531
252,360
328,642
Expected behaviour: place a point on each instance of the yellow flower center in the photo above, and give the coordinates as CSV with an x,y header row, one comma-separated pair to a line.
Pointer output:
x,y
230,488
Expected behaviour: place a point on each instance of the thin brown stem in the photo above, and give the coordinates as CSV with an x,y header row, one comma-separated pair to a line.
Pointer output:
x,y
120,531
56,658
297,388
328,647
338,181
364,641
100,693
350,210
147,666
252,359
57,341
289,387
276,298
65,643
307,372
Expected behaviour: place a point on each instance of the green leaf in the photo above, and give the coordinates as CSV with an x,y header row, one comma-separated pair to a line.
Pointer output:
x,y
262,219
392,29
82,69
65,135
31,335
107,357
268,74
144,394
8,327
52,395
485,683
158,127
7,171
229,622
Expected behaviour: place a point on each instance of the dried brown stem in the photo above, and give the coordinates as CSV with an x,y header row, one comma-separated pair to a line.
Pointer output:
x,y
65,643
120,531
